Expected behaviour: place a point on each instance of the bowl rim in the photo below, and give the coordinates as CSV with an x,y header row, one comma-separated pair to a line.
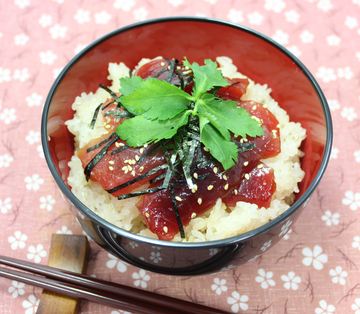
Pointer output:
x,y
188,245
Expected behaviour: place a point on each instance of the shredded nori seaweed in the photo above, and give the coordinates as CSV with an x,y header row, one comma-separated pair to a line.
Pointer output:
x,y
96,113
108,104
138,178
93,162
185,149
101,143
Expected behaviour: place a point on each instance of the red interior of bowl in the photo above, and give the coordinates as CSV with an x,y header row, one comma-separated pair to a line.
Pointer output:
x,y
259,59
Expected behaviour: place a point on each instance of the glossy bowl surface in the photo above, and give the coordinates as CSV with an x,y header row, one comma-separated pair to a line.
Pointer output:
x,y
256,56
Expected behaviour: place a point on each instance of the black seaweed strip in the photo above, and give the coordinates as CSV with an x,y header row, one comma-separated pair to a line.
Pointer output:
x,y
118,114
93,162
101,143
205,163
138,193
119,150
96,113
107,105
170,172
187,163
182,84
160,72
116,97
171,71
243,147
227,88
176,212
159,177
182,182
138,178
148,153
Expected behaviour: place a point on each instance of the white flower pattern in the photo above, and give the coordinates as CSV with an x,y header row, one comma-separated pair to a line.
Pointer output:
x,y
325,308
18,240
115,262
291,281
16,289
330,219
36,253
314,257
265,278
219,285
338,275
352,199
141,278
238,302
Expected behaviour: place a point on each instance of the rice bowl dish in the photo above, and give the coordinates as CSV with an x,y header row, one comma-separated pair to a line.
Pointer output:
x,y
220,221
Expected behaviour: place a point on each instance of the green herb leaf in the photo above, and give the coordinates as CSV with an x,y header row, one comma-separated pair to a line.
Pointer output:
x,y
206,77
161,109
130,84
156,100
229,117
224,151
139,130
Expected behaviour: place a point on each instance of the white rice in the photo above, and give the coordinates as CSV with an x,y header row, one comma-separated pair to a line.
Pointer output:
x,y
216,223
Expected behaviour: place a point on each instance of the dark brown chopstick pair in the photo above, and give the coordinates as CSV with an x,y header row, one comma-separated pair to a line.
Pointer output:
x,y
97,290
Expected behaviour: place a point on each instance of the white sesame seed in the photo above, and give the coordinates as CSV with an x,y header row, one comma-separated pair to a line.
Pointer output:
x,y
137,158
226,186
166,229
111,162
141,150
145,145
254,107
178,198
236,192
246,163
162,64
206,149
224,177
210,187
195,175
133,173
141,169
247,176
147,215
111,168
215,169
129,168
193,215
260,166
199,200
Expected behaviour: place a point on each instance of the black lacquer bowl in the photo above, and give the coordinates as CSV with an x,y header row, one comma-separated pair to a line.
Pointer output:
x,y
256,56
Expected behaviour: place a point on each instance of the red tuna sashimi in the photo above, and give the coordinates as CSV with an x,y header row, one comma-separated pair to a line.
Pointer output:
x,y
157,208
258,188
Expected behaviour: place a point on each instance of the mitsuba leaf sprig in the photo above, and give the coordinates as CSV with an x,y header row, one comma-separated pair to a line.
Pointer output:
x,y
160,109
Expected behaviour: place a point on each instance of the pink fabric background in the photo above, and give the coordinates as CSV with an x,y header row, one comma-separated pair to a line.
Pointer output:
x,y
315,269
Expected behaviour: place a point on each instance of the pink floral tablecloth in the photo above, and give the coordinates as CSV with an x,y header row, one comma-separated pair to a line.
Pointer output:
x,y
314,269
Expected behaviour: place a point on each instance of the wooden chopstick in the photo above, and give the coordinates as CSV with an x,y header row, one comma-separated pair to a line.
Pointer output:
x,y
97,290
